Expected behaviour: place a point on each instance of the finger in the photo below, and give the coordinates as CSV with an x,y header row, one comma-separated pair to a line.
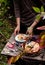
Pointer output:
x,y
27,32
31,36
14,32
17,32
30,33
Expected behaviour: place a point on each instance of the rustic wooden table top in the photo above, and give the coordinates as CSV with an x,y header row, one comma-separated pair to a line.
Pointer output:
x,y
15,51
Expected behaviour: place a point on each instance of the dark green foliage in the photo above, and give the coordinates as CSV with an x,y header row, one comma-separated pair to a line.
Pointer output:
x,y
6,27
36,9
40,12
42,9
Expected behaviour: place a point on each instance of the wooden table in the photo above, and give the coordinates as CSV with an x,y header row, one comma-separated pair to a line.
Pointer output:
x,y
40,57
14,52
17,54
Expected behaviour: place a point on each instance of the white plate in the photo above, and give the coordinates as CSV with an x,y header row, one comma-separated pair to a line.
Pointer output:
x,y
17,39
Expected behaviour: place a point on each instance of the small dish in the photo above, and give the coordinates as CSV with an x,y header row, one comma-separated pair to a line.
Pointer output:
x,y
21,38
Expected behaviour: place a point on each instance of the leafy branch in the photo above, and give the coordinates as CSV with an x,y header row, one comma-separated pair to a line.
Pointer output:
x,y
40,12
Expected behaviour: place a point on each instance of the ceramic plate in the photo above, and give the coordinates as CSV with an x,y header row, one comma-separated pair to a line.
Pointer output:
x,y
21,38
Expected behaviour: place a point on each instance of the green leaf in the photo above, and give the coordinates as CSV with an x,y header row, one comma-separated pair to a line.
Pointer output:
x,y
36,9
3,1
38,17
42,9
1,23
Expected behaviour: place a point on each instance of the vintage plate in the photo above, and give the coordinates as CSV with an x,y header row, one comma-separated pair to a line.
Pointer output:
x,y
20,40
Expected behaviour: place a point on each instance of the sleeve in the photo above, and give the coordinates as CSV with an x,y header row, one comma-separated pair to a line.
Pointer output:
x,y
16,8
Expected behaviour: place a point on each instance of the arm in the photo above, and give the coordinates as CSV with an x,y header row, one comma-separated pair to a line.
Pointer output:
x,y
16,8
34,23
17,15
30,29
17,11
18,21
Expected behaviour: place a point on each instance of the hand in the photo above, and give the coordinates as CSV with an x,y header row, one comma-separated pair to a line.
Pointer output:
x,y
30,31
41,28
17,29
